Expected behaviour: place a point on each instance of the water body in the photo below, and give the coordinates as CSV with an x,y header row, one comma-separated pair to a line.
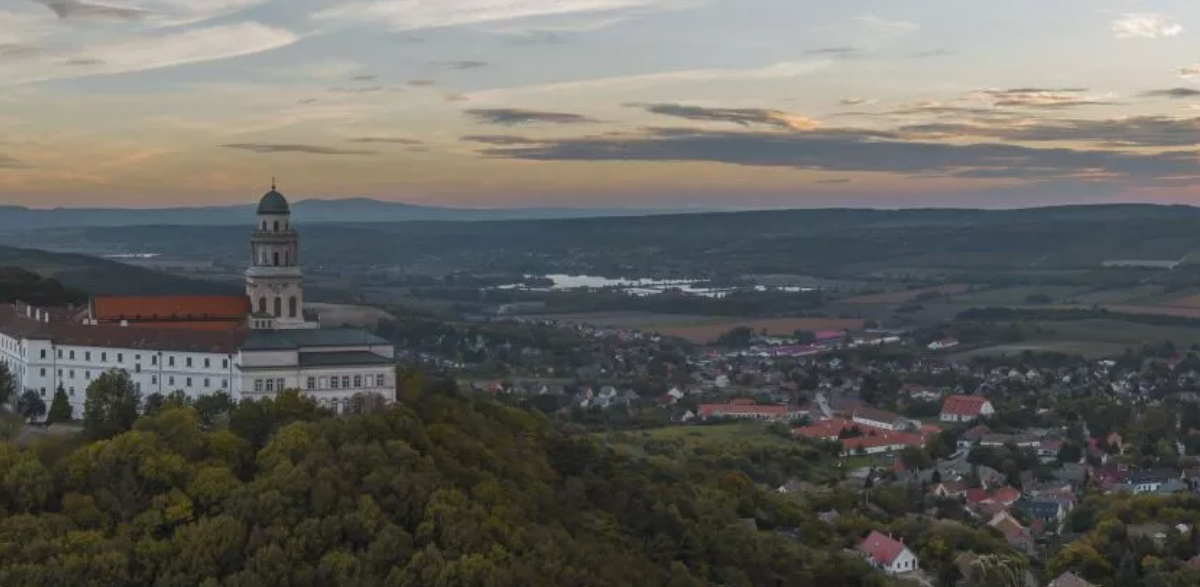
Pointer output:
x,y
641,286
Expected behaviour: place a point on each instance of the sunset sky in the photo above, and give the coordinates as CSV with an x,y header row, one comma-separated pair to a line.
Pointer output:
x,y
731,103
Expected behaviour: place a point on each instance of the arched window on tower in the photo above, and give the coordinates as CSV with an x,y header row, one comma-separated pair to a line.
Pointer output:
x,y
287,259
264,225
276,226
262,305
279,307
276,258
292,307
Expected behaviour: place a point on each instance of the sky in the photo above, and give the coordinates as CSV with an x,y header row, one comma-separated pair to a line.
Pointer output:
x,y
601,103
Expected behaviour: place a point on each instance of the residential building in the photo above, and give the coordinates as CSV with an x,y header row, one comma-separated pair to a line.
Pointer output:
x,y
888,554
966,408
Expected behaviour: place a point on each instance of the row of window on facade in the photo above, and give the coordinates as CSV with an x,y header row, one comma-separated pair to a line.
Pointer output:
x,y
87,356
293,307
263,259
315,383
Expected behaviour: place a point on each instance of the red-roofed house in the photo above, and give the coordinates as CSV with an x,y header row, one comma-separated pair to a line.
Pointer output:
x,y
880,443
965,408
749,411
888,554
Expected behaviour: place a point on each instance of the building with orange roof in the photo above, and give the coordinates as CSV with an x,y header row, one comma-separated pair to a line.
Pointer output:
x,y
249,346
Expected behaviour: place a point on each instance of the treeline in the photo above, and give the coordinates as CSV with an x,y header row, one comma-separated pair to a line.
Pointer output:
x,y
738,303
443,490
1000,314
20,284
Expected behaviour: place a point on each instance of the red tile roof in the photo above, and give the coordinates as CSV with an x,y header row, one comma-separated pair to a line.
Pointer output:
x,y
882,549
963,405
169,308
824,429
731,409
1006,495
882,438
164,339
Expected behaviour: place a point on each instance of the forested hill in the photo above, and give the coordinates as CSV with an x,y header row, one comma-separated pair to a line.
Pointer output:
x,y
99,276
27,286
443,491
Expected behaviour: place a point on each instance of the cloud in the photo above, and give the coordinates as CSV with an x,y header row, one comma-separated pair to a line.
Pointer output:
x,y
932,53
286,148
852,150
885,26
422,83
363,78
500,139
307,101
743,116
835,51
1145,26
515,116
834,181
783,70
76,10
1173,93
154,52
1041,98
1133,131
855,101
10,163
391,140
357,91
429,14
1190,72
83,61
464,65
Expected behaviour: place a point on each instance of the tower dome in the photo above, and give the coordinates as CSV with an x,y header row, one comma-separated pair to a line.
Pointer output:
x,y
273,203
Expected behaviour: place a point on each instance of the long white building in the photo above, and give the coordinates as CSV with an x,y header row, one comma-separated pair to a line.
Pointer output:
x,y
249,346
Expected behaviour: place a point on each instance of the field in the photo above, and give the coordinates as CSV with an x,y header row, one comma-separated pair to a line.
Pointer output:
x,y
1191,301
1132,309
703,329
1007,296
1092,338
907,295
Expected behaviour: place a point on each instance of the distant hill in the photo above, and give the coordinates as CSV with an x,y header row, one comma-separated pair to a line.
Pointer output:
x,y
305,211
81,273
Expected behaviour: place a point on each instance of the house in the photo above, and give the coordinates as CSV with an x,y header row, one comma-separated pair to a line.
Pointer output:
x,y
943,344
875,418
954,489
887,554
1150,480
965,408
748,410
880,443
1051,512
1018,536
1069,579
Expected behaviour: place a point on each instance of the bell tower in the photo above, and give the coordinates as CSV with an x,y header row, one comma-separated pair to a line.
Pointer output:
x,y
274,281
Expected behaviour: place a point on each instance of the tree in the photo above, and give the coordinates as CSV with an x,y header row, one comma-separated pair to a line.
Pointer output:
x,y
8,385
154,403
60,408
31,405
111,406
804,337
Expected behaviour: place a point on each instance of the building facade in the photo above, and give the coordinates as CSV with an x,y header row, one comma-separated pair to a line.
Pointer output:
x,y
198,344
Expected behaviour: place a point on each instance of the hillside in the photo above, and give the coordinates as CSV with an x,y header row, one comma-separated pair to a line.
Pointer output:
x,y
838,243
100,276
444,491
304,210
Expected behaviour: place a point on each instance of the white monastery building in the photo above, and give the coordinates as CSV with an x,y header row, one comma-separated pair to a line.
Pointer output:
x,y
249,346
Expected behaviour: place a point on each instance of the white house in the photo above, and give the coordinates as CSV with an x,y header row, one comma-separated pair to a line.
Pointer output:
x,y
888,555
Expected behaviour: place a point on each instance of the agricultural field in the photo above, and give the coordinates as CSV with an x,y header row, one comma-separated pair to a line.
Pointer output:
x,y
1120,295
907,295
1012,296
704,329
1091,338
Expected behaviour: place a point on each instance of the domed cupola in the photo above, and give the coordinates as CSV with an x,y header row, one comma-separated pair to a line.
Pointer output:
x,y
273,202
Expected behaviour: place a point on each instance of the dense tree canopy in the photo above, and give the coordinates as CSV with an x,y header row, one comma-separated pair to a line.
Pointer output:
x,y
443,490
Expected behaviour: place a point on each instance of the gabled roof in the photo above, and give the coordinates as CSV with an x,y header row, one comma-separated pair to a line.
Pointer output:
x,y
963,405
881,549
1069,579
